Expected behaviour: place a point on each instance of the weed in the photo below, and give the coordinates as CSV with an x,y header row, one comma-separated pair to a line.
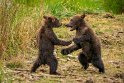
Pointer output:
x,y
14,64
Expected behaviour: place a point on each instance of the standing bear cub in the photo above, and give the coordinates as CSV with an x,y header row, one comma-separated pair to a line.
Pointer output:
x,y
86,40
46,40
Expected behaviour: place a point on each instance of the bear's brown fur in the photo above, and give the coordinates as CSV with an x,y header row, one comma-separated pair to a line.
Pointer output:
x,y
86,40
46,40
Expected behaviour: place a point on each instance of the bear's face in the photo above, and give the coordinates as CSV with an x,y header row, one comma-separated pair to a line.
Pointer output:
x,y
76,22
52,21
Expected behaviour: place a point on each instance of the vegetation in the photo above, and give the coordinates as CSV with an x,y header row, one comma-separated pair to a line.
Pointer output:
x,y
65,8
20,20
114,6
18,23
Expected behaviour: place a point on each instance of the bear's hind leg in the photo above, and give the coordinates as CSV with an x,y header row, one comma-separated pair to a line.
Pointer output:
x,y
83,60
98,63
36,65
53,63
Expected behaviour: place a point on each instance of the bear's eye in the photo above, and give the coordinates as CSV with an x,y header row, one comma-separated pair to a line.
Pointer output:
x,y
71,20
57,20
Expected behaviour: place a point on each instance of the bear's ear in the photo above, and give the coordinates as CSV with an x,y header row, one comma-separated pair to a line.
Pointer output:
x,y
45,17
83,16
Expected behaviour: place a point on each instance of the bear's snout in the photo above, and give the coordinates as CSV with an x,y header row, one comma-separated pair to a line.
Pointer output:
x,y
68,25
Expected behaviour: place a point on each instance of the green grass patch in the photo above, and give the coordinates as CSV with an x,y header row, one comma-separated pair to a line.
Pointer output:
x,y
15,64
5,77
114,6
67,8
29,2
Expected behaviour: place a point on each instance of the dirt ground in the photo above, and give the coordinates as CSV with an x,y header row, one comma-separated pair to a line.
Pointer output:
x,y
111,33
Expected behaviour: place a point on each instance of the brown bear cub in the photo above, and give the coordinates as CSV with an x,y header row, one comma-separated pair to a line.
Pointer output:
x,y
86,40
46,40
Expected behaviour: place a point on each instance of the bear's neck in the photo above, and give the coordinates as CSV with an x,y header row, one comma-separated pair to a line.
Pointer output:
x,y
47,27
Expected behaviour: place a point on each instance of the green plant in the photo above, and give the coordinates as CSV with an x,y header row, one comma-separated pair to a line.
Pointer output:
x,y
14,64
67,8
4,76
114,6
1,72
18,20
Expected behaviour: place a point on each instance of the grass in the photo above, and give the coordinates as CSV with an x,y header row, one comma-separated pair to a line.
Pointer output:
x,y
68,8
16,33
14,64
4,76
1,72
114,6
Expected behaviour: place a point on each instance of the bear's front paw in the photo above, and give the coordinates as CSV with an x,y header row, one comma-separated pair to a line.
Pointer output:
x,y
68,43
76,41
64,52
